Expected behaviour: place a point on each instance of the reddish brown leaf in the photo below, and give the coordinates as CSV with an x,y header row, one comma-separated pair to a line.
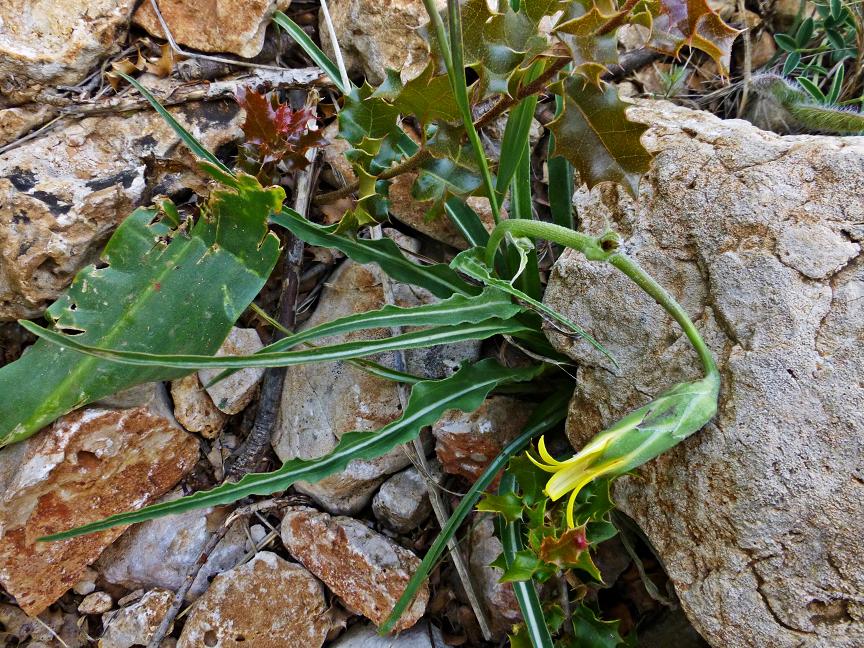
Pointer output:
x,y
565,550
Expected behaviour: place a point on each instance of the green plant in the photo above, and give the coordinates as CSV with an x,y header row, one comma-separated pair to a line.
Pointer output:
x,y
492,289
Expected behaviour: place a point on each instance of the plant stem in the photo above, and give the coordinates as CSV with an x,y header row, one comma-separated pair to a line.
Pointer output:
x,y
607,248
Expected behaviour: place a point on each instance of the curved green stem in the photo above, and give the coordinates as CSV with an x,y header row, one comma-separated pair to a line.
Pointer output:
x,y
606,248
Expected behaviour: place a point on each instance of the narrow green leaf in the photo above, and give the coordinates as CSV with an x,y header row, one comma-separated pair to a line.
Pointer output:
x,y
792,62
465,390
438,279
140,302
521,206
516,135
345,351
187,137
302,38
560,179
812,89
836,86
786,42
470,263
526,594
547,415
467,222
804,33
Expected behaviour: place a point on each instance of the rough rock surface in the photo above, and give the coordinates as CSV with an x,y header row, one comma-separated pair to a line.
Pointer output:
x,y
267,603
757,518
57,42
236,391
15,122
62,194
367,570
194,409
87,465
321,402
403,206
135,624
159,552
499,600
362,635
377,35
236,26
402,502
96,603
467,443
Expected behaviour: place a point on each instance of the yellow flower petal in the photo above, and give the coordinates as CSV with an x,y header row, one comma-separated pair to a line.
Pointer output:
x,y
542,466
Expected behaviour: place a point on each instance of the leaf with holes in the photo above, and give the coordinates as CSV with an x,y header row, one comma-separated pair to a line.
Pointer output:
x,y
140,301
594,134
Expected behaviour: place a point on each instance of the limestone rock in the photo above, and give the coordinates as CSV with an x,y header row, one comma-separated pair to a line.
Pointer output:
x,y
403,206
194,409
158,553
15,122
96,603
757,516
267,603
365,569
236,391
135,624
499,599
58,42
467,443
62,194
376,35
402,502
321,402
364,635
87,465
235,26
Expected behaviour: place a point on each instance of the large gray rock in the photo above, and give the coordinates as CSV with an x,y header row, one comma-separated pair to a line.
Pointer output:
x,y
362,635
322,402
757,517
62,194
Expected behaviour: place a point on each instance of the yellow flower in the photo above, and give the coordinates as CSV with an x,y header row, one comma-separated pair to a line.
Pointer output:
x,y
575,473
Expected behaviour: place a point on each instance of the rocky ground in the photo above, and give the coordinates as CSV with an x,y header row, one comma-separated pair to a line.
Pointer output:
x,y
748,534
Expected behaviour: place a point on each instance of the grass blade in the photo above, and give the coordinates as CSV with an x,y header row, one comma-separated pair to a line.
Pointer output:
x,y
296,32
467,222
345,351
548,414
516,135
187,137
510,534
438,278
465,390
521,207
561,183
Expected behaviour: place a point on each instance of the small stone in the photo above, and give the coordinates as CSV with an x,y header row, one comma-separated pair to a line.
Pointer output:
x,y
402,502
236,391
96,603
87,582
266,603
364,635
194,409
135,624
365,569
159,552
58,42
375,36
498,598
257,532
236,26
467,443
87,465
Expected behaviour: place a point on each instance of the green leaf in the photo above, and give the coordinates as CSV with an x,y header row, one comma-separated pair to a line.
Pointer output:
x,y
812,89
345,351
803,35
427,97
509,506
465,390
141,302
836,86
521,566
592,632
591,53
516,135
302,38
786,43
438,278
470,263
594,134
466,221
531,479
545,416
560,179
791,63
439,179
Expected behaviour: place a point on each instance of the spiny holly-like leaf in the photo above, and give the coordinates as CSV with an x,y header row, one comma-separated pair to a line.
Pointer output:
x,y
508,505
592,632
691,23
566,550
366,116
594,134
577,29
141,302
441,178
274,132
428,97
